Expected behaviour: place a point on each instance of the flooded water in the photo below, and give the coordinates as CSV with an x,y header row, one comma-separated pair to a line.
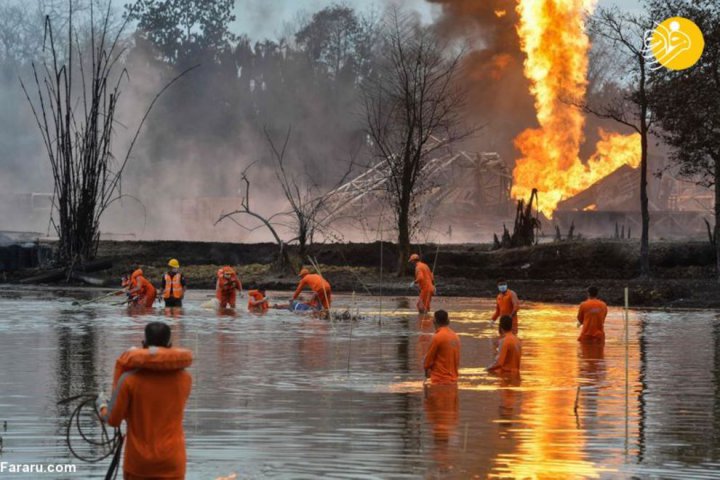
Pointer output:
x,y
285,396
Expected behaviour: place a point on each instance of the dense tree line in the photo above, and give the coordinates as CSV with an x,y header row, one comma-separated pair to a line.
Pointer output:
x,y
308,80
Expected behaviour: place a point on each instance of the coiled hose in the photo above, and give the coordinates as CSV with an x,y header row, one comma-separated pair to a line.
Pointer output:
x,y
111,445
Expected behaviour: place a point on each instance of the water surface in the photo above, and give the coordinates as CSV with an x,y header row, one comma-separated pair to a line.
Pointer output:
x,y
285,396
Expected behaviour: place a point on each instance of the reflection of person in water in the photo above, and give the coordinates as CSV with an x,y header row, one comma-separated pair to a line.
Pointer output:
x,y
442,413
591,374
510,399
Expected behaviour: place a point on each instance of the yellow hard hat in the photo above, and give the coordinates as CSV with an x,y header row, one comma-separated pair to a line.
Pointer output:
x,y
173,263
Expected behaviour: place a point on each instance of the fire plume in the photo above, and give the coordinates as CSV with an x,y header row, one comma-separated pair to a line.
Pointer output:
x,y
552,36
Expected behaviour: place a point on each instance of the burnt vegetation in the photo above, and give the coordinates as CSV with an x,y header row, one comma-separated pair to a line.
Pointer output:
x,y
365,85
77,88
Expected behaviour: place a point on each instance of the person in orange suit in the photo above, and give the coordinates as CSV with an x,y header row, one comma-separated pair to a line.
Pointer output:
x,y
141,291
150,390
509,350
227,286
257,301
591,315
507,304
425,281
321,288
443,357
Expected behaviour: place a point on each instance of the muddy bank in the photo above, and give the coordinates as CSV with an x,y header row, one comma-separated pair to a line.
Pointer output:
x,y
555,272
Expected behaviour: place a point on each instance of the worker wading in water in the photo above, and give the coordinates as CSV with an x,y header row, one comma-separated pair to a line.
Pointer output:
x,y
150,390
140,292
322,298
509,349
257,301
591,315
173,285
228,284
507,304
442,360
425,281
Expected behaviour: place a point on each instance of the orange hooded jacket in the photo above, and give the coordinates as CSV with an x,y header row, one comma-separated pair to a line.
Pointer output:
x,y
146,293
226,291
426,282
319,286
150,389
257,296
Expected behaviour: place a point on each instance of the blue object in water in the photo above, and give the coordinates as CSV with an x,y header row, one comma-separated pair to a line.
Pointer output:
x,y
298,306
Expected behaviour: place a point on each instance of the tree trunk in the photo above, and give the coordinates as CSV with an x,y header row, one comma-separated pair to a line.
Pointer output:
x,y
717,217
644,210
403,242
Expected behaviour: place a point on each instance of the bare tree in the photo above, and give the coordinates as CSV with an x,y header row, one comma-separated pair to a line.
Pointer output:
x,y
413,107
78,128
626,33
306,202
283,260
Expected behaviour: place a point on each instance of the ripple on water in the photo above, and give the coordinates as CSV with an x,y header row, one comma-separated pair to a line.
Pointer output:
x,y
279,396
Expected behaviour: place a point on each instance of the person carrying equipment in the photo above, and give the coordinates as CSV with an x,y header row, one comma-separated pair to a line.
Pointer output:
x,y
509,350
507,304
173,285
227,286
257,301
591,315
443,357
141,292
320,287
425,281
150,391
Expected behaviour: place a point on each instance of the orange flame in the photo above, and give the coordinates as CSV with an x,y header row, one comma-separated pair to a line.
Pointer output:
x,y
552,35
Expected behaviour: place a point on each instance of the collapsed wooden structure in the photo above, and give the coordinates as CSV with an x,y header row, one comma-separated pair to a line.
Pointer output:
x,y
458,186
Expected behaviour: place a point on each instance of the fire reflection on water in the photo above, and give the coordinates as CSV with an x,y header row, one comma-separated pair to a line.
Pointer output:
x,y
273,395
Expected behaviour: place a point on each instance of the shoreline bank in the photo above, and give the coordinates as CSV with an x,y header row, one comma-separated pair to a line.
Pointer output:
x,y
553,272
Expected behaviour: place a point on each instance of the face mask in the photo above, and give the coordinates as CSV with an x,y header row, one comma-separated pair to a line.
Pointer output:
x,y
502,288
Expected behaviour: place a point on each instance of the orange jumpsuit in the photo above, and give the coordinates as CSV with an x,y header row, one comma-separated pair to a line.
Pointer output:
x,y
227,289
257,296
146,293
426,282
592,315
321,288
507,304
443,356
508,359
151,399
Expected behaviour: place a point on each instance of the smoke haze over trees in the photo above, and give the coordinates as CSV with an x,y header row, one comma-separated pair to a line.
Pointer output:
x,y
210,127
204,132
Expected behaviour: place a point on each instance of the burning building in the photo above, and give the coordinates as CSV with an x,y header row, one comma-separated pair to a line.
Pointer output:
x,y
677,208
